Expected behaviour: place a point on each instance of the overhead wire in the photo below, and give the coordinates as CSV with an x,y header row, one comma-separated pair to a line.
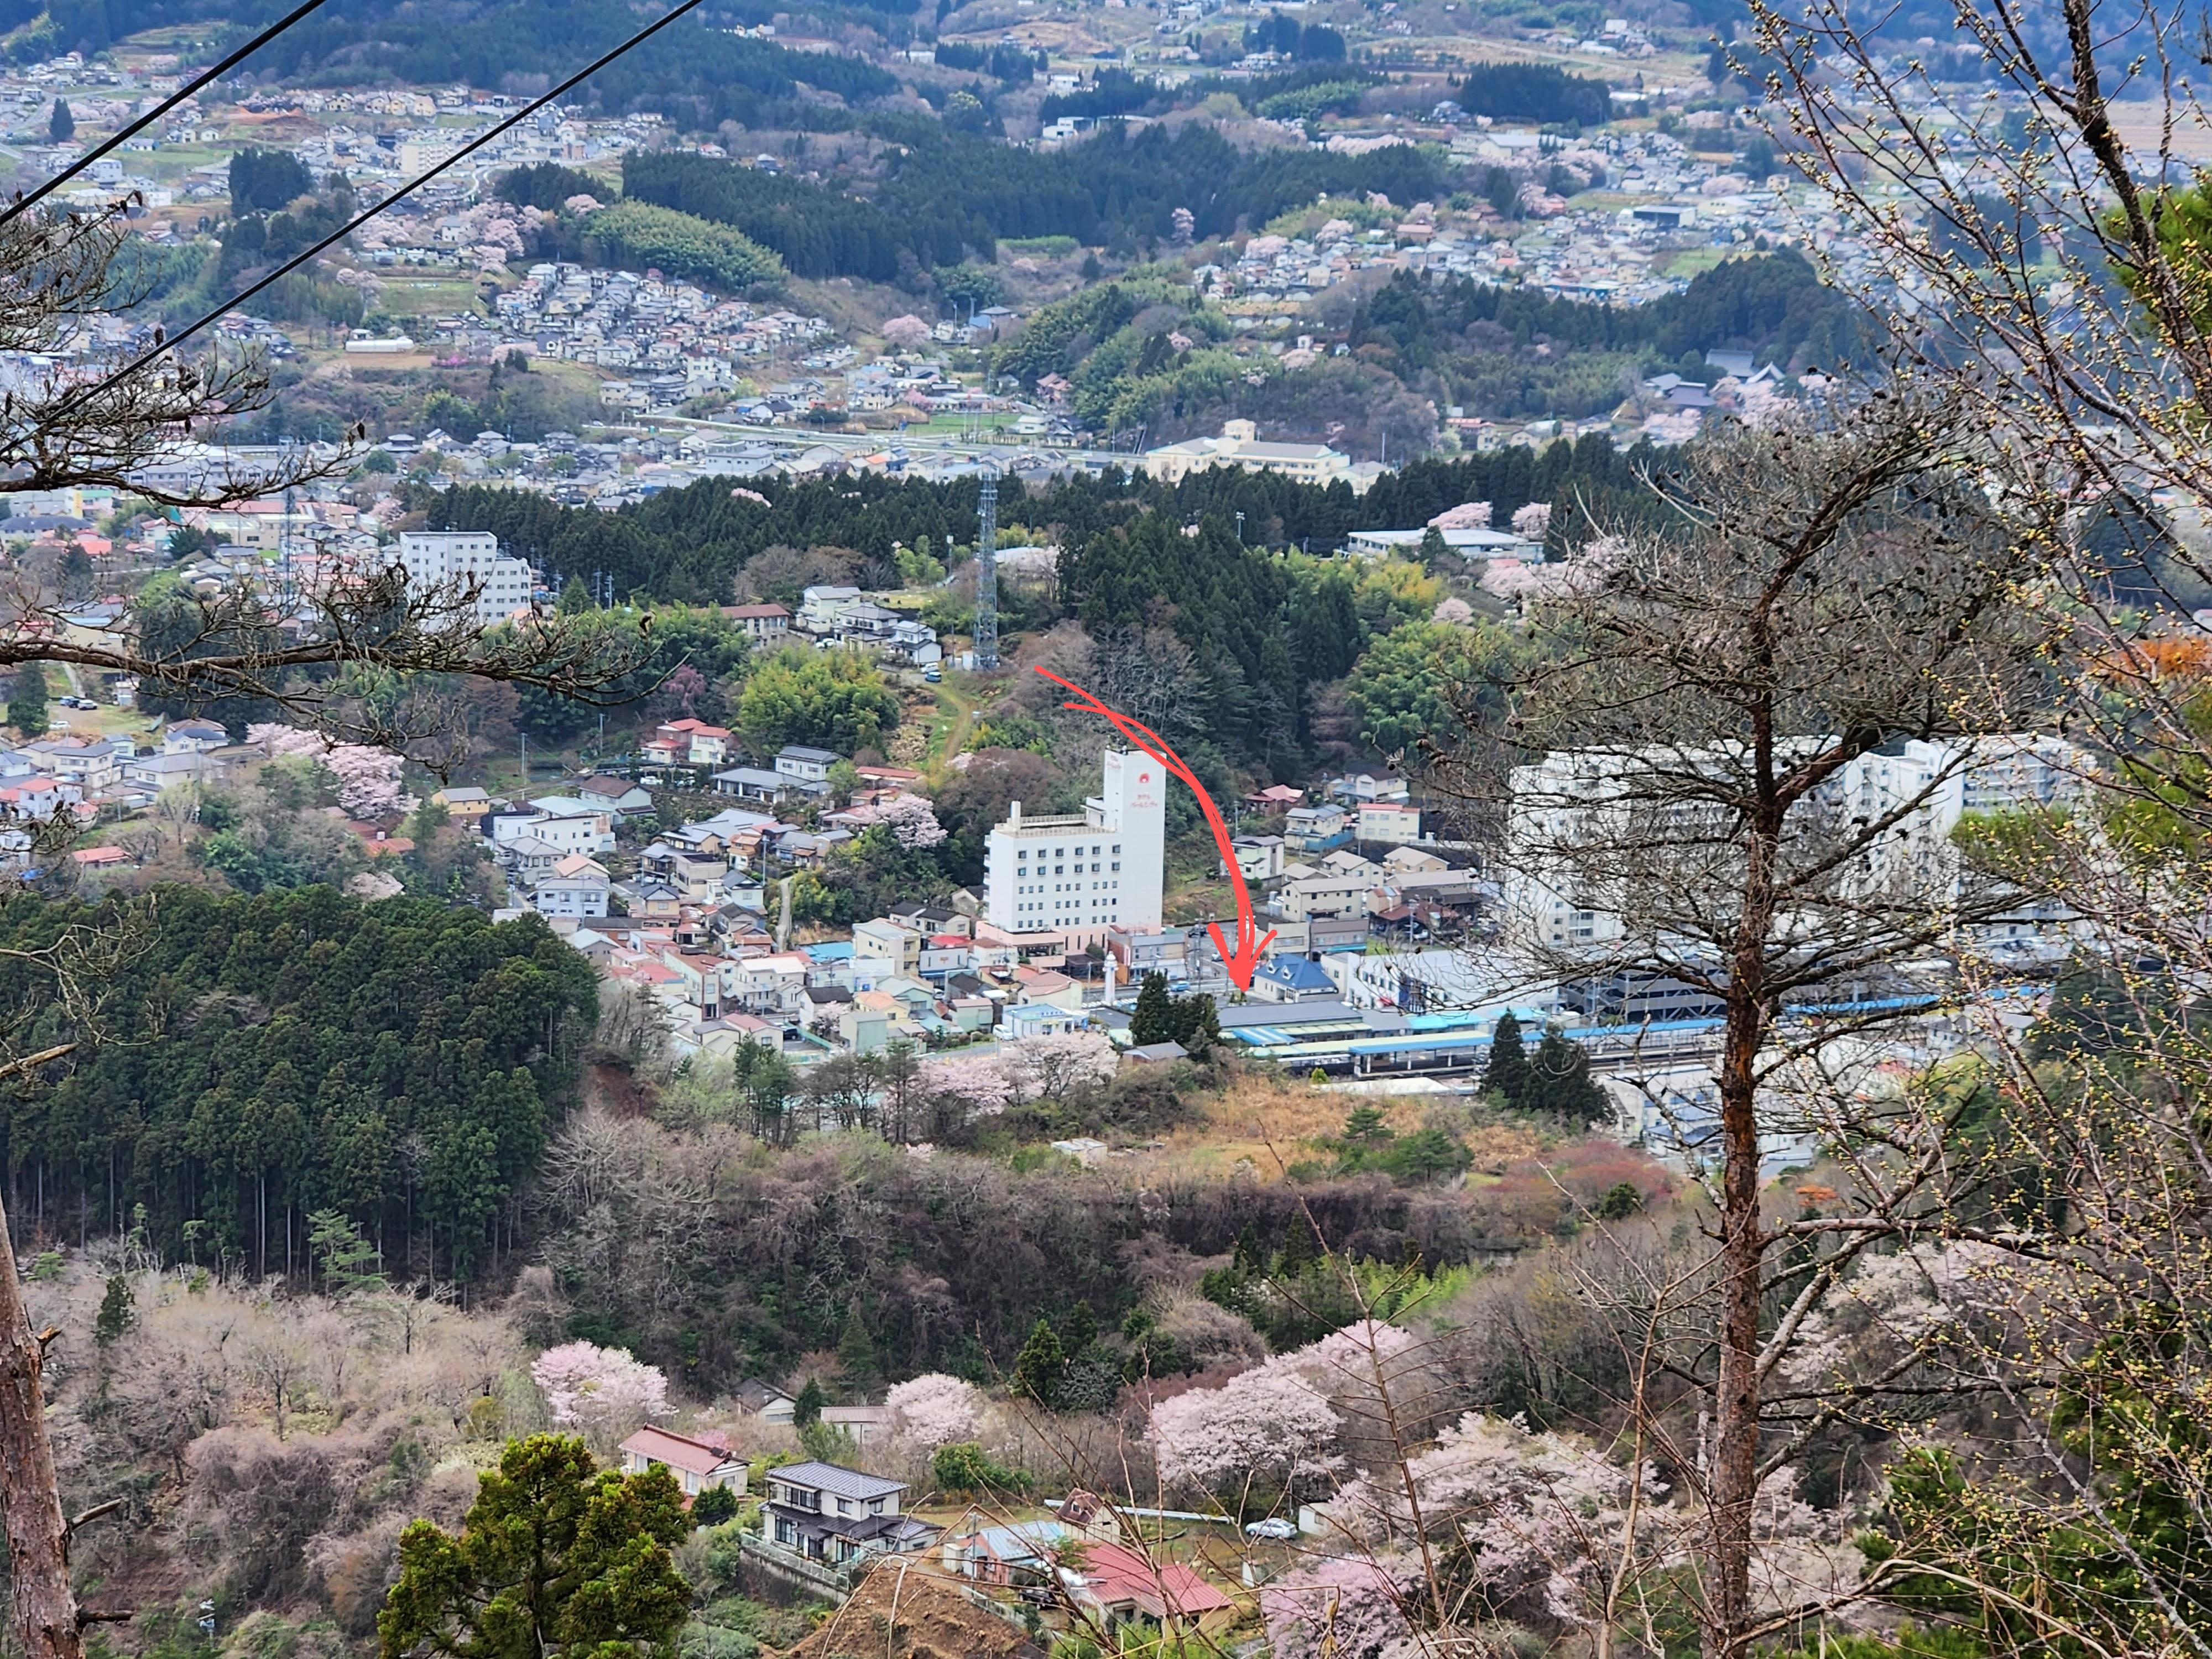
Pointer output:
x,y
23,204
170,341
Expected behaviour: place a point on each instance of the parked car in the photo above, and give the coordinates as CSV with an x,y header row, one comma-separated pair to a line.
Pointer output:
x,y
1273,1526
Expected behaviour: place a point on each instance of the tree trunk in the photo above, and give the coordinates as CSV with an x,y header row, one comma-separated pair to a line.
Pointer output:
x,y
45,1607
1735,1478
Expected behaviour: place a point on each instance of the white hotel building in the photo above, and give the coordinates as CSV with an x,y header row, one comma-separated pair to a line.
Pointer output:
x,y
1081,875
459,560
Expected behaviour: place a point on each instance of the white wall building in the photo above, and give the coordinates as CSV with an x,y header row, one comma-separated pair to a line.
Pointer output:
x,y
1103,869
464,560
1928,786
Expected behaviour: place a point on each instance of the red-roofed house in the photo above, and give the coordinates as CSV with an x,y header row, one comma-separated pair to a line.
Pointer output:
x,y
1117,1584
696,1464
100,858
694,741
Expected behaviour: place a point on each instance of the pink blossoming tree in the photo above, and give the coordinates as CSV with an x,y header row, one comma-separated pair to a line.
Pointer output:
x,y
604,1392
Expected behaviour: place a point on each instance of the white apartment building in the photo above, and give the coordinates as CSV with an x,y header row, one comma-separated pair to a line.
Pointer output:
x,y
1928,787
1106,868
465,561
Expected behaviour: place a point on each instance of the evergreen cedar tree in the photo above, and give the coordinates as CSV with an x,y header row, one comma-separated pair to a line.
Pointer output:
x,y
1557,1083
1160,1017
61,125
388,1061
556,1558
806,1409
712,1507
27,703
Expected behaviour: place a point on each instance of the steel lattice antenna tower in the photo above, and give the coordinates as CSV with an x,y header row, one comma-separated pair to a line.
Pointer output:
x,y
987,576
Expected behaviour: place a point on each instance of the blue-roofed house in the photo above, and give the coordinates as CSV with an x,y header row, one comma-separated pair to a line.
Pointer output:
x,y
1021,1553
1288,978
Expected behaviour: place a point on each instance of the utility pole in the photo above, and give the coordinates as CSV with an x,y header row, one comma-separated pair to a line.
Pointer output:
x,y
987,577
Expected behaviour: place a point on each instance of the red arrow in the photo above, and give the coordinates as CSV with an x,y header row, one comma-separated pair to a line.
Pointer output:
x,y
1245,958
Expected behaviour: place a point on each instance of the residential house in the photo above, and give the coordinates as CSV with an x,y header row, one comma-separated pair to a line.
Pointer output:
x,y
1366,788
29,796
1286,978
752,783
692,742
1317,893
1311,831
897,949
1406,860
194,737
927,918
1275,798
1115,1584
1140,952
1154,1053
774,984
1039,1019
696,1464
1007,1555
90,765
1390,823
766,622
556,895
827,1513
822,608
618,798
529,859
153,773
864,1030
867,1425
1259,858
1050,987
807,769
567,824
764,1400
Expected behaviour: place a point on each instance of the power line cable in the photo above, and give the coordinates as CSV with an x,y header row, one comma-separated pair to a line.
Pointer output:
x,y
24,203
170,343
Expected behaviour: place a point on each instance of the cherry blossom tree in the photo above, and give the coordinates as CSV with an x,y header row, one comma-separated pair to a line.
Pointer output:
x,y
934,1410
981,1081
605,1392
1340,1605
1052,1067
367,778
1269,1427
912,820
1533,522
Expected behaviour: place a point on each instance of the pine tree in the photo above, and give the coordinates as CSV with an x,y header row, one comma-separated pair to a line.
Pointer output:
x,y
119,1311
1040,1366
1506,1076
1197,1022
1079,1330
336,1243
1153,1019
61,125
1366,1127
806,1410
